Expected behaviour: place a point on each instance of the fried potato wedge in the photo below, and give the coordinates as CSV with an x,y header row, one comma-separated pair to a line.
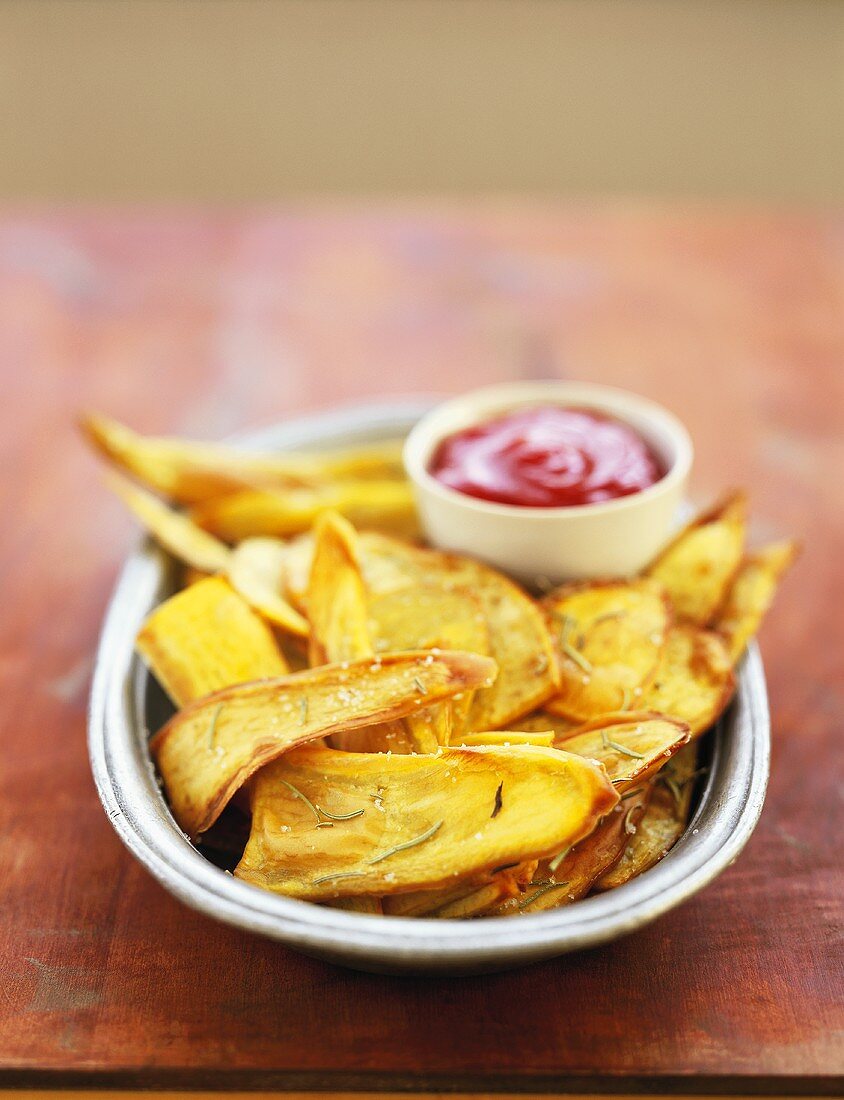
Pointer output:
x,y
663,823
205,638
190,473
610,635
631,747
427,616
519,640
751,594
507,738
694,681
440,817
171,529
338,610
207,751
336,598
698,566
256,571
380,505
571,874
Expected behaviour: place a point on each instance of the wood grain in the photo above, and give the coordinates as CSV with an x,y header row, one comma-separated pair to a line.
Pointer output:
x,y
204,322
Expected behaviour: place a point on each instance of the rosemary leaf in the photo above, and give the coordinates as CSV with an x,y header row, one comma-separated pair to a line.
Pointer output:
x,y
614,745
340,817
305,799
407,844
538,893
576,656
339,875
558,859
420,687
212,729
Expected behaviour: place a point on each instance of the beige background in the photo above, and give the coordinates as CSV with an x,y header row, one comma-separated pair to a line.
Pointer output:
x,y
253,99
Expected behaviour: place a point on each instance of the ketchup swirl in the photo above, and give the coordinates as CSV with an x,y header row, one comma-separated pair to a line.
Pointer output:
x,y
547,456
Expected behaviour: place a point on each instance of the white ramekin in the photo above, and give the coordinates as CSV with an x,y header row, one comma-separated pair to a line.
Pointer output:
x,y
612,538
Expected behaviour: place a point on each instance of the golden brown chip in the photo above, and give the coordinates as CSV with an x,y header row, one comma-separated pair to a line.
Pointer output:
x,y
571,874
208,750
193,472
694,681
507,737
336,597
698,566
663,823
206,638
426,616
518,636
630,746
256,571
172,530
380,505
610,635
427,820
466,899
751,594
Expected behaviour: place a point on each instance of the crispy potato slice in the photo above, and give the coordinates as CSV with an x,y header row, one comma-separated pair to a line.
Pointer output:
x,y
542,720
751,594
206,638
518,635
381,505
208,750
698,566
694,681
337,608
255,570
427,819
336,597
571,874
459,902
172,530
610,635
194,472
507,737
426,616
663,823
630,746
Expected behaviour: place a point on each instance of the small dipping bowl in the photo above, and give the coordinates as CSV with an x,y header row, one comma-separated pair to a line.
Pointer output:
x,y
610,538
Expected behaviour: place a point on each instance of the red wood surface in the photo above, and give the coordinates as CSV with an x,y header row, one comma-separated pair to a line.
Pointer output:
x,y
204,322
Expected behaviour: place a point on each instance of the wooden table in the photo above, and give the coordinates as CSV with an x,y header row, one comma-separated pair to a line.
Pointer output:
x,y
204,322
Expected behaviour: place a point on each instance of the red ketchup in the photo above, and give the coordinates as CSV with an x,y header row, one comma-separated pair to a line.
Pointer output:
x,y
547,456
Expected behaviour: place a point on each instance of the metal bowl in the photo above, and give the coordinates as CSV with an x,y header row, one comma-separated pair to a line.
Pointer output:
x,y
122,710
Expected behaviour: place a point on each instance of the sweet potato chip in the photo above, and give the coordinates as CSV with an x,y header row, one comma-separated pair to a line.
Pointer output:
x,y
426,820
336,598
256,571
610,635
751,593
630,746
663,823
193,472
518,636
171,529
571,874
507,737
209,749
206,638
698,566
380,505
468,898
694,681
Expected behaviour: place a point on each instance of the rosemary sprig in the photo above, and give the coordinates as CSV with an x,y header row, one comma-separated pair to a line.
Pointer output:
x,y
623,749
420,687
407,844
303,709
340,817
212,729
305,799
558,859
565,629
538,893
576,656
626,699
339,875
629,794
498,802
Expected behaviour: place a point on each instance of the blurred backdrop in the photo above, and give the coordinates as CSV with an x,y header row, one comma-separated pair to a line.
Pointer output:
x,y
259,99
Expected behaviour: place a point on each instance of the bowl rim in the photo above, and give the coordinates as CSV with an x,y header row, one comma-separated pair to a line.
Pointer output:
x,y
425,435
728,809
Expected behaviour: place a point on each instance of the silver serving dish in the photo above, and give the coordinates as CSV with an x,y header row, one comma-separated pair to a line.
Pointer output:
x,y
125,706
